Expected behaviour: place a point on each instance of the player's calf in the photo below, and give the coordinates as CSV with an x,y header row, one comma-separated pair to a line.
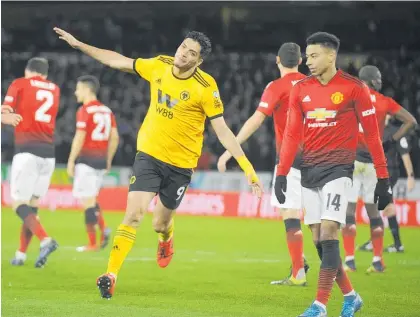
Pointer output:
x,y
90,222
294,237
31,221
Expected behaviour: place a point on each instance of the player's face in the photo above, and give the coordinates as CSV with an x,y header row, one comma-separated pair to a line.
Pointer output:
x,y
80,92
319,59
188,54
377,83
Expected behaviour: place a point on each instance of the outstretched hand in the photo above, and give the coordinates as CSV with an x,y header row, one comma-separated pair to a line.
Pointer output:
x,y
65,36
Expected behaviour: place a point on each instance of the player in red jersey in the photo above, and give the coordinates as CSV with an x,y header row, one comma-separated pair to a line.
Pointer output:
x,y
364,177
36,99
325,110
94,146
275,102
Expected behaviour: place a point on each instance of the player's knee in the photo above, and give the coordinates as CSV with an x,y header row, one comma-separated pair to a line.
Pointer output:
x,y
290,214
351,209
372,211
89,202
376,222
292,224
90,216
18,203
329,230
133,216
24,210
160,225
390,210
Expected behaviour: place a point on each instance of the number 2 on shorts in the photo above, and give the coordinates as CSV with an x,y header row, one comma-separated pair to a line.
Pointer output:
x,y
335,202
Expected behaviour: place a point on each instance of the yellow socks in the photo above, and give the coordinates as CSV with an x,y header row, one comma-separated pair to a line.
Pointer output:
x,y
123,242
166,236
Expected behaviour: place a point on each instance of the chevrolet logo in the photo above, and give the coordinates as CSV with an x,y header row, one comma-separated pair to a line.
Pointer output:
x,y
321,114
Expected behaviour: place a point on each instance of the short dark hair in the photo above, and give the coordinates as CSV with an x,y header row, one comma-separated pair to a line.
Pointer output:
x,y
38,65
324,39
203,40
369,72
91,81
289,54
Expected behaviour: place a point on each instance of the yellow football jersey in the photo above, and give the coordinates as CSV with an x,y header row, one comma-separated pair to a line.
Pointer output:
x,y
172,130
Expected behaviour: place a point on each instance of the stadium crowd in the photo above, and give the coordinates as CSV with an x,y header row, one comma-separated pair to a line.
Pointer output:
x,y
241,77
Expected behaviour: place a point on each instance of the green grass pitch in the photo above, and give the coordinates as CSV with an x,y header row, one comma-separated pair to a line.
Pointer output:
x,y
221,267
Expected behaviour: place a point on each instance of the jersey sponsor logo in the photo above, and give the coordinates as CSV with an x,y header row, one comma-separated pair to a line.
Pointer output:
x,y
9,98
368,112
321,114
337,98
306,99
263,104
322,124
185,95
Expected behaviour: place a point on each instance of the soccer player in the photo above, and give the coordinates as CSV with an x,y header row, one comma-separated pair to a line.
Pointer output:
x,y
275,102
364,177
403,148
169,141
8,117
94,146
36,99
325,110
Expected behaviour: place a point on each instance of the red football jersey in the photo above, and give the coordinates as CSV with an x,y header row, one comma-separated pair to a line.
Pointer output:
x,y
383,106
97,120
275,102
36,100
329,115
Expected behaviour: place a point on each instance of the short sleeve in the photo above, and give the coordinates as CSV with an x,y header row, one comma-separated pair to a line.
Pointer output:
x,y
81,119
212,104
403,146
268,100
12,94
393,106
144,67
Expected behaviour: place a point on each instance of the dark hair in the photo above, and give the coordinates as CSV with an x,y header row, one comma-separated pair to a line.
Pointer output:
x,y
369,72
203,40
324,39
38,65
289,54
91,81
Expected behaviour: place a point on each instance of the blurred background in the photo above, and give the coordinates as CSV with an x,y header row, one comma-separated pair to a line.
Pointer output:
x,y
245,37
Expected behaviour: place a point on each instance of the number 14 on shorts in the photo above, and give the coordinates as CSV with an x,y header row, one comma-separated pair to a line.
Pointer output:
x,y
335,202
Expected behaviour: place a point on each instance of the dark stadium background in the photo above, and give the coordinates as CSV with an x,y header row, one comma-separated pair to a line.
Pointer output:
x,y
245,36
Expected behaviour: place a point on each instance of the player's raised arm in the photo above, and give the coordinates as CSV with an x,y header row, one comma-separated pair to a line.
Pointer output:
x,y
106,57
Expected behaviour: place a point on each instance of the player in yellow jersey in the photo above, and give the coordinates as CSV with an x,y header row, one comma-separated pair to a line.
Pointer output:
x,y
169,142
